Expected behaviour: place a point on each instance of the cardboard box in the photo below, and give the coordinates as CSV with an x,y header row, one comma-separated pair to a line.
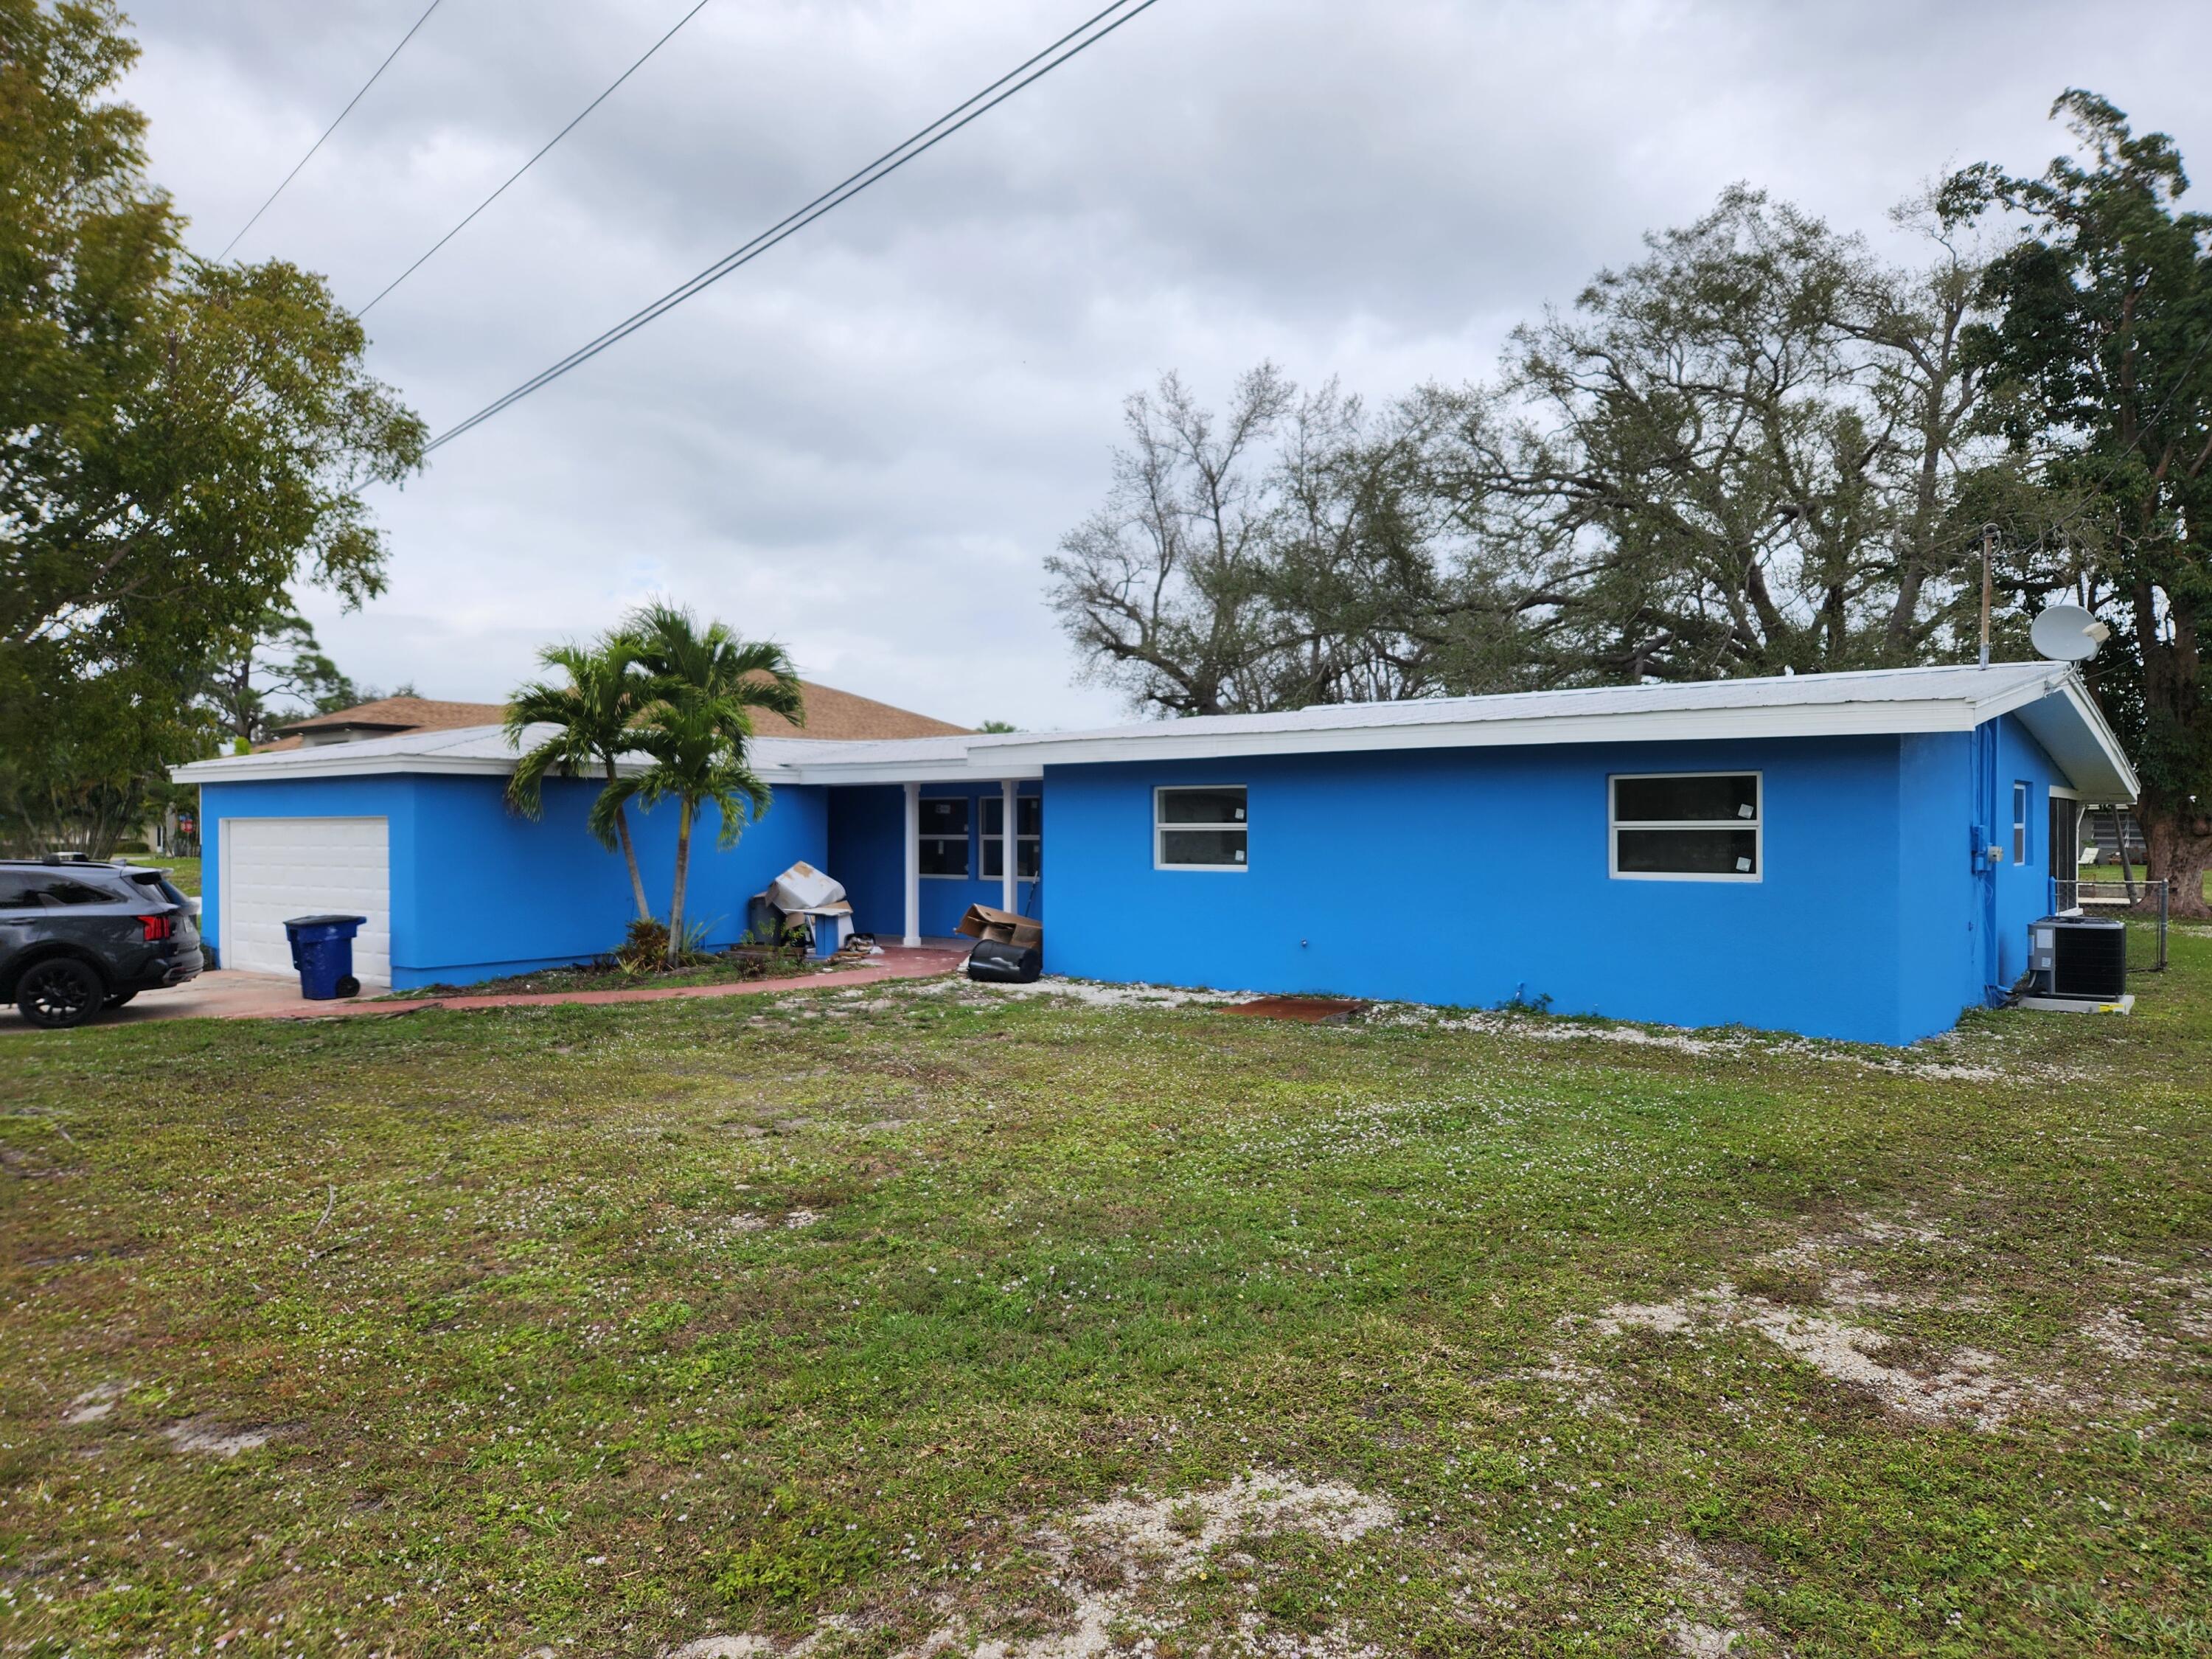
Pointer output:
x,y
1000,926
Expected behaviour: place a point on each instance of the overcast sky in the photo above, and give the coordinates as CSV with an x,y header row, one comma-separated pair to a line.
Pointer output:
x,y
866,443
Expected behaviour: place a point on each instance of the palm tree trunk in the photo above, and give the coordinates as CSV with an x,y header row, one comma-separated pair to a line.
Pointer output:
x,y
683,870
629,855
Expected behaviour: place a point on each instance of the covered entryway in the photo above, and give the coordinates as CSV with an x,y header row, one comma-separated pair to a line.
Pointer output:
x,y
275,868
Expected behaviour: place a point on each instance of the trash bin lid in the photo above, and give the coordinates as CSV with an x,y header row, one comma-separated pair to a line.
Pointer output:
x,y
326,922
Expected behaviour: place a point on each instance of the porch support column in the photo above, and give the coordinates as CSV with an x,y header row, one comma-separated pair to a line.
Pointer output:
x,y
913,864
1009,794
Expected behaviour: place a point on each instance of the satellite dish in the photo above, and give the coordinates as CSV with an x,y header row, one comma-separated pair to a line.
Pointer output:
x,y
2067,632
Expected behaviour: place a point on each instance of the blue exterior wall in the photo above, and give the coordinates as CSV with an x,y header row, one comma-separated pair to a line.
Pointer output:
x,y
2023,890
867,830
1938,912
1473,877
1963,920
478,892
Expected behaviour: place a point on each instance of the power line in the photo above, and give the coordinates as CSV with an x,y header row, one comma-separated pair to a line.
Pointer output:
x,y
534,159
328,130
1086,35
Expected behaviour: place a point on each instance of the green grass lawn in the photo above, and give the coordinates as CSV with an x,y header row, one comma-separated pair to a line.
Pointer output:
x,y
928,1313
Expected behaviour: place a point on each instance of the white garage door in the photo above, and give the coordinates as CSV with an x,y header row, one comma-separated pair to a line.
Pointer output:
x,y
275,868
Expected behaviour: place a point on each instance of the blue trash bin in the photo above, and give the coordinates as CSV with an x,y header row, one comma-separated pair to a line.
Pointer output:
x,y
322,950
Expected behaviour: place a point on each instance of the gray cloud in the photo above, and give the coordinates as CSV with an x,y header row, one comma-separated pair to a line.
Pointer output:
x,y
866,443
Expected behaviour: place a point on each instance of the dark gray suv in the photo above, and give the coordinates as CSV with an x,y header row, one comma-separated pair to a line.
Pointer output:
x,y
76,937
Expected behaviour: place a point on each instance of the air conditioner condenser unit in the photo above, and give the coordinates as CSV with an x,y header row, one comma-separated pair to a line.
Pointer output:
x,y
2078,961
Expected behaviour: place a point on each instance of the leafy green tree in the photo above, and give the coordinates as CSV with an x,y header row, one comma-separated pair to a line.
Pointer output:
x,y
1753,450
280,673
697,724
591,726
2106,327
180,440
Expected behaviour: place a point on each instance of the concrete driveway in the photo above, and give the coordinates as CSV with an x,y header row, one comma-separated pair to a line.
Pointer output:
x,y
221,994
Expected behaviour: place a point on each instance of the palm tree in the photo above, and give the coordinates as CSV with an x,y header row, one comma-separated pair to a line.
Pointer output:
x,y
705,684
592,716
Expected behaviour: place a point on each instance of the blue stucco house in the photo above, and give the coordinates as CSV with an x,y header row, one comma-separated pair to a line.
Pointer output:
x,y
1848,855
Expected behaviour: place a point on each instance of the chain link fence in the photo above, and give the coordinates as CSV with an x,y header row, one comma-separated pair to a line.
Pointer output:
x,y
2141,904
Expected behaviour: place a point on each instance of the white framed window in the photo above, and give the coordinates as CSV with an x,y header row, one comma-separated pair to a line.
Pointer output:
x,y
1686,826
1200,827
1029,836
945,836
2023,794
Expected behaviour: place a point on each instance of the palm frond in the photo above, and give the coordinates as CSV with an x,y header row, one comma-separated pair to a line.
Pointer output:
x,y
607,806
591,716
740,797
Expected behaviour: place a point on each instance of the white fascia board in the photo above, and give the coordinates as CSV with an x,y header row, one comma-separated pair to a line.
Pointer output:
x,y
2060,715
2073,732
915,771
265,768
257,768
1671,726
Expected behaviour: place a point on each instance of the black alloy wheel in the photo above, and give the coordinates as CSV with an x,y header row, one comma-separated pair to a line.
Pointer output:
x,y
58,993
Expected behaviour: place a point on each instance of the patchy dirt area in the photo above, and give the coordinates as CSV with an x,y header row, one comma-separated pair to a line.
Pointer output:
x,y
202,1437
1954,1057
1956,1384
1119,1564
1708,1619
1089,994
95,1402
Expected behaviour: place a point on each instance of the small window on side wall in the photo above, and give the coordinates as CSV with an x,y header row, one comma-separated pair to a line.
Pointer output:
x,y
1687,826
2022,796
1199,829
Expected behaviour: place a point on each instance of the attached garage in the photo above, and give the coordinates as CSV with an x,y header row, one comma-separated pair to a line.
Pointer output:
x,y
413,832
273,868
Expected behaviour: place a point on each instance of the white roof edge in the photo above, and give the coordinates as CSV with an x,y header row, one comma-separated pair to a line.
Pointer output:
x,y
1658,726
2049,698
2084,746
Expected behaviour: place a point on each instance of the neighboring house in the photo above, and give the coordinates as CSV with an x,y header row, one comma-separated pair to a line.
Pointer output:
x,y
1849,855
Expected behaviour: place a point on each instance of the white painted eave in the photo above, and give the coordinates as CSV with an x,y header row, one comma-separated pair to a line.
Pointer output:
x,y
334,763
979,768
1674,725
2073,732
2049,698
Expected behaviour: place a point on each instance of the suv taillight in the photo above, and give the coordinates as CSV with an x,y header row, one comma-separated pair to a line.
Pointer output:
x,y
158,927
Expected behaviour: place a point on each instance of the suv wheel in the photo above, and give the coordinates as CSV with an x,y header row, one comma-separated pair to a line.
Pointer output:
x,y
59,992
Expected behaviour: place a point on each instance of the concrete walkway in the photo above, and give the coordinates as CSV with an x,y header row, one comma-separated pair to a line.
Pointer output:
x,y
226,995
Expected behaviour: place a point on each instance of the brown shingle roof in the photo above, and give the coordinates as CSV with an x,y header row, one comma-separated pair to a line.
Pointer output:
x,y
829,714
840,715
406,714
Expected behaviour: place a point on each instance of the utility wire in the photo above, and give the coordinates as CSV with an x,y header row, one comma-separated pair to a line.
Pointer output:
x,y
534,159
1086,35
328,130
